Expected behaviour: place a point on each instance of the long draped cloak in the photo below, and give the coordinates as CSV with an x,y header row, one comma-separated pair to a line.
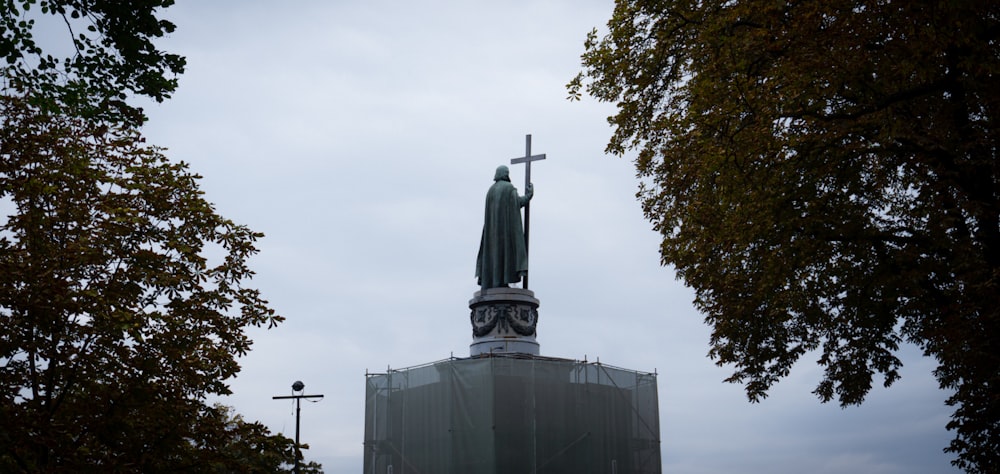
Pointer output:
x,y
502,255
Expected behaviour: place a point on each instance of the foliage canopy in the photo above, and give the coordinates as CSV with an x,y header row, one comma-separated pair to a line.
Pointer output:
x,y
824,174
90,55
121,291
123,307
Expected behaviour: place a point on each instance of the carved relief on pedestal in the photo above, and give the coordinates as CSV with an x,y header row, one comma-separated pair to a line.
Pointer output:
x,y
504,320
519,319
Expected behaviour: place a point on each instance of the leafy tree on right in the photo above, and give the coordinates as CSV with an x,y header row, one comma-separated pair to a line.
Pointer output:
x,y
825,176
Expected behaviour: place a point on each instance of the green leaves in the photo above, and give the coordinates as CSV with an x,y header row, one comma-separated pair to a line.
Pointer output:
x,y
113,56
122,300
825,176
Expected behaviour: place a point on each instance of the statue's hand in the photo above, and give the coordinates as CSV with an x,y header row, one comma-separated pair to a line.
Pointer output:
x,y
530,190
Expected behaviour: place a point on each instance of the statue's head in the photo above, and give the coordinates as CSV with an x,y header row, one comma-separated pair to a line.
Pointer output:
x,y
502,174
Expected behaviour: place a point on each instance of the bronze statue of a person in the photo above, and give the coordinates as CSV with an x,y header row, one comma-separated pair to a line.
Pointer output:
x,y
503,256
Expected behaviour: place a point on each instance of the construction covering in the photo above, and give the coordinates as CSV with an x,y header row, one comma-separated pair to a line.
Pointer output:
x,y
504,414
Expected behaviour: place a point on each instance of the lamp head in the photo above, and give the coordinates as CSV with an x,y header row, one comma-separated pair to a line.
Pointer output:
x,y
298,386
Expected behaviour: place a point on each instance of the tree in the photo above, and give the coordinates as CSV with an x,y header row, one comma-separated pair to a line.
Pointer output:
x,y
123,305
824,174
105,54
238,447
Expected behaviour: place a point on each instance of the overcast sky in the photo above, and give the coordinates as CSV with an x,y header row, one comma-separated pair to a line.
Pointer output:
x,y
361,136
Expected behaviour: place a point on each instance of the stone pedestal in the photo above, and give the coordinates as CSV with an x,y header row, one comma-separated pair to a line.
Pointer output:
x,y
503,321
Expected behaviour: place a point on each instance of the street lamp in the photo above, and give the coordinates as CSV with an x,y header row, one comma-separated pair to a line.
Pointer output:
x,y
298,386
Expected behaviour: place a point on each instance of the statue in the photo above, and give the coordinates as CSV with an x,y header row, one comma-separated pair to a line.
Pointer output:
x,y
503,255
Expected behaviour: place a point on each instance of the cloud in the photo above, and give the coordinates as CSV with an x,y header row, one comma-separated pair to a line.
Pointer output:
x,y
360,137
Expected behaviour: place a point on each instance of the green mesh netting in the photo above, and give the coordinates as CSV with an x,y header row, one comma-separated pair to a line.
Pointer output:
x,y
511,414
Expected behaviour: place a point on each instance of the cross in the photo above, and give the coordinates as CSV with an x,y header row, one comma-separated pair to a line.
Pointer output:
x,y
527,159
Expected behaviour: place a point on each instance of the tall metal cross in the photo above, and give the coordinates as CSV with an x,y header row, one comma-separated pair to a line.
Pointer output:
x,y
527,159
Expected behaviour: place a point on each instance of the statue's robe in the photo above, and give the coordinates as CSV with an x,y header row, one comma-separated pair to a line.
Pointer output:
x,y
502,258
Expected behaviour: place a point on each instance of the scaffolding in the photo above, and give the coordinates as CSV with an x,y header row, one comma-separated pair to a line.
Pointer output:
x,y
511,413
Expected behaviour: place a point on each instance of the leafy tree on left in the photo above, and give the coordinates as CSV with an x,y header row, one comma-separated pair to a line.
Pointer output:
x,y
97,53
123,306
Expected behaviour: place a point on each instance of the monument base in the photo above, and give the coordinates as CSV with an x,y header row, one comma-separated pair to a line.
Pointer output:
x,y
512,414
503,322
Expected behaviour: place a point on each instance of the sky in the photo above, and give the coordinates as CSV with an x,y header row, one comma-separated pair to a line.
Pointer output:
x,y
360,137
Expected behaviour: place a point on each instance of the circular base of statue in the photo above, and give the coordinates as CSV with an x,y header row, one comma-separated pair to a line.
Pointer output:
x,y
503,321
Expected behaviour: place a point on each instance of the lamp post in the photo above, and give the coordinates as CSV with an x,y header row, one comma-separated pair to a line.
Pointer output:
x,y
298,386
